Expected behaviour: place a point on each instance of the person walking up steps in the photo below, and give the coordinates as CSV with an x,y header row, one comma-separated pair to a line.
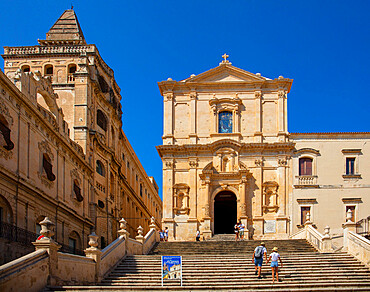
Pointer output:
x,y
241,230
274,257
165,231
258,254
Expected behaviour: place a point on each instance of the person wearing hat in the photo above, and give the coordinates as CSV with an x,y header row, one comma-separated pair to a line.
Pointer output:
x,y
274,257
257,258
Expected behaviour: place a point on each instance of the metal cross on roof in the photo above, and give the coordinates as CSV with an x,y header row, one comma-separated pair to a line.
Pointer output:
x,y
225,56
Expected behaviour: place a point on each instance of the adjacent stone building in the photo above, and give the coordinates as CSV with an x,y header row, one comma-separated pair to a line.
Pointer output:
x,y
64,154
227,156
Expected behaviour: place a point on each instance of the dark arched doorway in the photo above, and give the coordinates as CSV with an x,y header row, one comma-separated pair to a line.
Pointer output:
x,y
225,212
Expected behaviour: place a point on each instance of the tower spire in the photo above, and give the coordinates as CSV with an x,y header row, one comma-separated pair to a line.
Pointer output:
x,y
65,30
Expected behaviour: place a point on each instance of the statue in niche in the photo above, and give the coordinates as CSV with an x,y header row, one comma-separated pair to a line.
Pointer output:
x,y
181,199
270,196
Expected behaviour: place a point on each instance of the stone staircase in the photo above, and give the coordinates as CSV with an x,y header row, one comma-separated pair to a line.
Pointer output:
x,y
227,265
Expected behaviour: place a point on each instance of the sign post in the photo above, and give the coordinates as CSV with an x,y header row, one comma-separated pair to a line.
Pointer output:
x,y
171,268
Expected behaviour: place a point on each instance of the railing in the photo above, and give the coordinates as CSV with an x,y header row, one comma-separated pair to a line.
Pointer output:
x,y
70,78
68,249
47,50
25,237
16,234
362,227
314,237
306,180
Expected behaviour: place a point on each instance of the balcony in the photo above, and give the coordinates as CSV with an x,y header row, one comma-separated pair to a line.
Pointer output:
x,y
70,78
306,181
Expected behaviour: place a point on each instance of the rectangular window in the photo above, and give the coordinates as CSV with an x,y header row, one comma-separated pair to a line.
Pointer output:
x,y
72,244
305,166
352,208
304,212
350,165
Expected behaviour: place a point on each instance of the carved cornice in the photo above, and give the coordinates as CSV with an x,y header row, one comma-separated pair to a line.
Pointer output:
x,y
237,146
307,151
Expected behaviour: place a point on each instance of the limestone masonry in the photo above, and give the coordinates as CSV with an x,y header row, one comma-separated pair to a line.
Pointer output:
x,y
227,156
63,153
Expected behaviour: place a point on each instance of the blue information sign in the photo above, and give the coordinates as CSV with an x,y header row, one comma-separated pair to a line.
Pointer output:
x,y
171,268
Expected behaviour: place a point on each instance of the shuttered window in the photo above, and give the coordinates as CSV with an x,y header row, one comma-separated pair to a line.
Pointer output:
x,y
305,166
48,167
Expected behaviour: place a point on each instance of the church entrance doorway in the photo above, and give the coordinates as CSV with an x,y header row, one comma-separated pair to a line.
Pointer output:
x,y
225,212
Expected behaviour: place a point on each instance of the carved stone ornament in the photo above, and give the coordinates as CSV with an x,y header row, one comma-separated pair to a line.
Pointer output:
x,y
193,164
169,96
45,148
257,94
258,162
281,94
4,111
6,154
282,161
44,180
206,210
270,196
169,164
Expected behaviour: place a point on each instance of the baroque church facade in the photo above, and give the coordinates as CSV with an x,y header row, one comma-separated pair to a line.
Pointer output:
x,y
64,154
228,156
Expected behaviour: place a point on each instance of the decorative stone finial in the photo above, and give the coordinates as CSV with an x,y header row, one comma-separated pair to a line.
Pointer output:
x,y
349,215
308,217
122,228
281,77
140,236
152,223
169,79
225,60
327,231
258,74
192,75
93,241
46,229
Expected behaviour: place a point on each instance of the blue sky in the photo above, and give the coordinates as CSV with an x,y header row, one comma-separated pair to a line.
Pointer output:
x,y
323,45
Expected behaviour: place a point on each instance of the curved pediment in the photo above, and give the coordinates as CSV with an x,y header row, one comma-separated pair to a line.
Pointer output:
x,y
226,143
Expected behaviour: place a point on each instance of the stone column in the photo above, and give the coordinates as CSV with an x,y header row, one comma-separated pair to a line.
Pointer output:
x,y
168,200
94,253
193,164
193,117
326,241
168,117
347,227
207,233
258,117
45,242
243,205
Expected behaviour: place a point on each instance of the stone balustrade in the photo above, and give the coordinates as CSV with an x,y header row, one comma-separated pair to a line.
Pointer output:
x,y
48,266
306,180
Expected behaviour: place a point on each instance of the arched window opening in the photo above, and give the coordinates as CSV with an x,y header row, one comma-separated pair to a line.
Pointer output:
x,y
225,122
48,167
305,166
49,70
103,84
100,168
101,204
26,68
74,243
113,138
72,68
5,140
77,191
101,120
6,213
141,190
